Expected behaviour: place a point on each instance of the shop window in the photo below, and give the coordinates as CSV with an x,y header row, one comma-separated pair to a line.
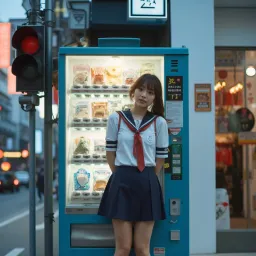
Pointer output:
x,y
235,91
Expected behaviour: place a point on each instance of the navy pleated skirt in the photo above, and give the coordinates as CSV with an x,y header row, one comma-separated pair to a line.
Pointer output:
x,y
132,195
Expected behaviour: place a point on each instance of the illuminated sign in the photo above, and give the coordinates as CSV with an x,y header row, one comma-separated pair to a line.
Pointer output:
x,y
147,9
5,44
12,154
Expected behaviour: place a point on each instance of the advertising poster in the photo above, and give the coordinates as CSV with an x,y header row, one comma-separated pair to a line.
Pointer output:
x,y
203,99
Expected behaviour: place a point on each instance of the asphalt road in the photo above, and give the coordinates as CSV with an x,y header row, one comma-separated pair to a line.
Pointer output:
x,y
14,225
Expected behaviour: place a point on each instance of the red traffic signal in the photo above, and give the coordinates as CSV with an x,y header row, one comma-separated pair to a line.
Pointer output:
x,y
28,66
23,35
30,45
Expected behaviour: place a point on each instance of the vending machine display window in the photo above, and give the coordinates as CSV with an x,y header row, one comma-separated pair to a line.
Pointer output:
x,y
96,86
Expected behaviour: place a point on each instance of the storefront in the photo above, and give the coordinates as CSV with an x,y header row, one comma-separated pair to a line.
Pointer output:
x,y
221,39
235,159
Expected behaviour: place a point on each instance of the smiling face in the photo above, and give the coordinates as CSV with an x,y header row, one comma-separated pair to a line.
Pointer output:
x,y
144,96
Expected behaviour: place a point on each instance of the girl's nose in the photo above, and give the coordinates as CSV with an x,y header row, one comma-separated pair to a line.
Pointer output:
x,y
144,93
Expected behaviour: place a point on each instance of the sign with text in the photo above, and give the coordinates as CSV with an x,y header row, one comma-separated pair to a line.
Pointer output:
x,y
5,45
246,138
79,14
174,88
203,99
147,9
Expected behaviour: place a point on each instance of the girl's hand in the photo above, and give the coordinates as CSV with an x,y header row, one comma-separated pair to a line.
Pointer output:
x,y
159,165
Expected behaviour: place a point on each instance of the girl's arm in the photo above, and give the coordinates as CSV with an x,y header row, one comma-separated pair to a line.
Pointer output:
x,y
111,140
159,165
162,142
111,156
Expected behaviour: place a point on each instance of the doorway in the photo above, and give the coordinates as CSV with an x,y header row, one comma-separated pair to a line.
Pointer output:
x,y
235,103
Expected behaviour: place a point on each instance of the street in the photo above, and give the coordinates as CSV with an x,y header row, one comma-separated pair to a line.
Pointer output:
x,y
14,225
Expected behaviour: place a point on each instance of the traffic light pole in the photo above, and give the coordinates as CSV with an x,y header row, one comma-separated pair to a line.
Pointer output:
x,y
28,104
35,7
48,162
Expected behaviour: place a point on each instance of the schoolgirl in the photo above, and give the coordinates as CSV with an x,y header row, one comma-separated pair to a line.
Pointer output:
x,y
136,145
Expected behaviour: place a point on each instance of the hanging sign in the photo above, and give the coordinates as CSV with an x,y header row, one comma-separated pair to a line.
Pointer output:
x,y
203,99
147,9
245,120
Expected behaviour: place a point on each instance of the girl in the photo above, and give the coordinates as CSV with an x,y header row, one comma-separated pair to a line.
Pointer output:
x,y
136,145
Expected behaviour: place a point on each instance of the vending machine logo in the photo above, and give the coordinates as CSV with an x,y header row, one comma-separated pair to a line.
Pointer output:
x,y
147,9
148,4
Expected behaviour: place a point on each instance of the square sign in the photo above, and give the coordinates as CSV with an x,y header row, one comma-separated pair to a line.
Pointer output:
x,y
147,9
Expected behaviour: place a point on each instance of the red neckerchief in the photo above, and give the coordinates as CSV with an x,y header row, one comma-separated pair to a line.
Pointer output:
x,y
137,145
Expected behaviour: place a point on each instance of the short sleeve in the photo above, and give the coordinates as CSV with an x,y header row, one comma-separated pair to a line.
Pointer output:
x,y
112,131
162,138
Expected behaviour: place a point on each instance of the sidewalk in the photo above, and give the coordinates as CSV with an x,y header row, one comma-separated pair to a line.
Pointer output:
x,y
227,254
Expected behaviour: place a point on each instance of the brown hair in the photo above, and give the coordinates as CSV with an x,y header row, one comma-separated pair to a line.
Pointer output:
x,y
152,82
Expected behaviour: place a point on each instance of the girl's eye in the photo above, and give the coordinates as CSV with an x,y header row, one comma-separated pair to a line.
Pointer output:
x,y
141,89
151,93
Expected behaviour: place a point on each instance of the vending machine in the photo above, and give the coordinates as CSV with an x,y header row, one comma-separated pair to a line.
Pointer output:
x,y
93,83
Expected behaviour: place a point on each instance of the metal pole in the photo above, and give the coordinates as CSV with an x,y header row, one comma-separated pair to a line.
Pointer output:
x,y
28,103
35,7
59,16
48,181
32,183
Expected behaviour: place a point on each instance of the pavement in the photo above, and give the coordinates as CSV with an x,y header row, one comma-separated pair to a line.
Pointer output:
x,y
14,226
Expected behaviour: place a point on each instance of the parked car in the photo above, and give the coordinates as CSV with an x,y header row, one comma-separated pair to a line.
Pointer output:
x,y
23,177
8,181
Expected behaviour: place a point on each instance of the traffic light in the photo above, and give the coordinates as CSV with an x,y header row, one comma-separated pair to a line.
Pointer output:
x,y
29,64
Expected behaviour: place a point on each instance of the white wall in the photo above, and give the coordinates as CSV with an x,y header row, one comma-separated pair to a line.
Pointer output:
x,y
235,27
192,25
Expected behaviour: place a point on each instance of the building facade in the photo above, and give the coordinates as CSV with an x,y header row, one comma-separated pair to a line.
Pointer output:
x,y
220,36
7,126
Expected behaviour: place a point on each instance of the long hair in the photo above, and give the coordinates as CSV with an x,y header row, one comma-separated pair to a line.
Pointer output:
x,y
153,83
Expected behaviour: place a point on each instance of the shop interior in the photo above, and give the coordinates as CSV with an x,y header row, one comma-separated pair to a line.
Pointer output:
x,y
235,90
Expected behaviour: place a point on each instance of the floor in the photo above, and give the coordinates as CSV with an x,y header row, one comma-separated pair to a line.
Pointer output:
x,y
241,223
227,254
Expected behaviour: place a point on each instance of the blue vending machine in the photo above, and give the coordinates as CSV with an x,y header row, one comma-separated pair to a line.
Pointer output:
x,y
93,83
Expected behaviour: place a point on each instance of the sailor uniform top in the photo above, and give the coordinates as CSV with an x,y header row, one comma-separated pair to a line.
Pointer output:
x,y
151,132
